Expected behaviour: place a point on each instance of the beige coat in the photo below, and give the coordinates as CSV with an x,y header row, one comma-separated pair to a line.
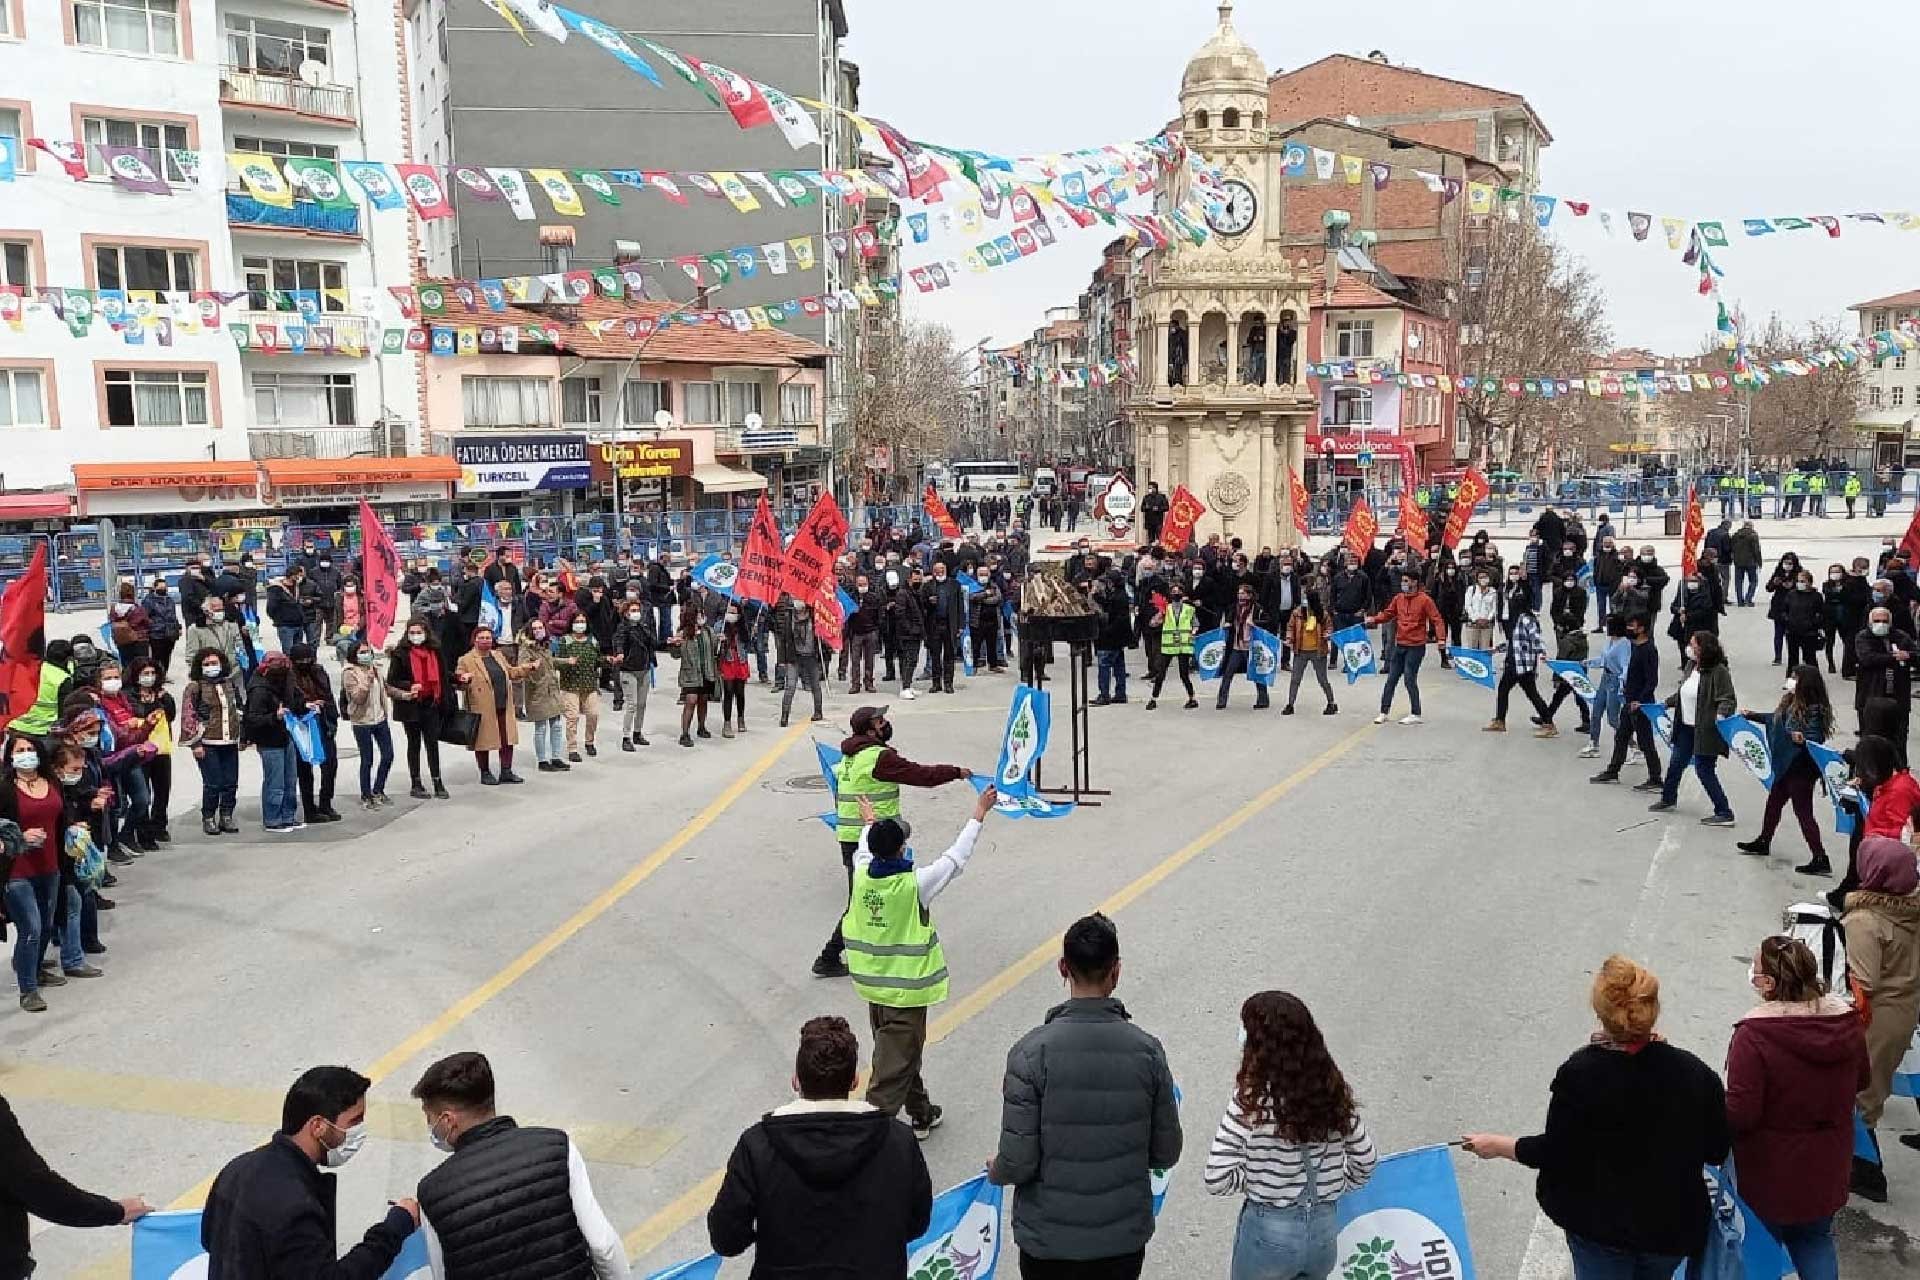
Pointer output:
x,y
476,695
1883,957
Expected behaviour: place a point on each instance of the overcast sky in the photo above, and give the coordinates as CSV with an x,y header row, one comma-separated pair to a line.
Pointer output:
x,y
1690,110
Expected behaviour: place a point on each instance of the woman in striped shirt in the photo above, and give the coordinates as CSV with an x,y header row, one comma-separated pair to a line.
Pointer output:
x,y
1291,1142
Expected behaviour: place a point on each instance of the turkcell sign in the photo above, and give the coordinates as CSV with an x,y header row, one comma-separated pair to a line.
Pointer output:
x,y
506,464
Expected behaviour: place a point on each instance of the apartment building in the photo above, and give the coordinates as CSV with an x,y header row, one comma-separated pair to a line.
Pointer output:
x,y
177,419
1890,400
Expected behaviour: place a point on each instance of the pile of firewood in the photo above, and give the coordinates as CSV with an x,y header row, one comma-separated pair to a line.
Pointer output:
x,y
1047,595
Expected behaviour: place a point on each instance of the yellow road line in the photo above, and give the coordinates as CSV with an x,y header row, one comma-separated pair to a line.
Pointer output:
x,y
650,1234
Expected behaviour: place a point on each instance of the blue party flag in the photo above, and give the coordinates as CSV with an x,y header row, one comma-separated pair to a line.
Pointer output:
x,y
1475,665
1210,653
1355,650
1747,743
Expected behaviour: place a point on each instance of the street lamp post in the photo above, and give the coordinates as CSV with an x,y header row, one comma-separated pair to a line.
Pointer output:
x,y
662,419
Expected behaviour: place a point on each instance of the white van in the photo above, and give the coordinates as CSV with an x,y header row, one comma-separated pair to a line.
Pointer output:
x,y
1044,481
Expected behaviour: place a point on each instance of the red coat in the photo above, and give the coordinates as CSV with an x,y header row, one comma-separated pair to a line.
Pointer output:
x,y
1792,1073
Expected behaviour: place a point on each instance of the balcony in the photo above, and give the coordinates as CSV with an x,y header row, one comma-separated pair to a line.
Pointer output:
x,y
270,443
768,439
280,94
304,218
349,333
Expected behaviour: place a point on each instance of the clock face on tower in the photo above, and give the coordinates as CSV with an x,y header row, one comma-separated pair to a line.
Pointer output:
x,y
1237,214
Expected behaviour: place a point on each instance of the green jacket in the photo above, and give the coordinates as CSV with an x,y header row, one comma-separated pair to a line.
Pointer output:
x,y
699,663
583,674
40,718
1716,699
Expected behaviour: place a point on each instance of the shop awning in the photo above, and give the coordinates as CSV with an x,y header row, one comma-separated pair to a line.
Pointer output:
x,y
35,506
426,468
162,475
717,477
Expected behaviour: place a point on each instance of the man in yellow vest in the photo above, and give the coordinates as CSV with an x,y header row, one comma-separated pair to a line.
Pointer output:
x,y
870,769
1176,645
894,952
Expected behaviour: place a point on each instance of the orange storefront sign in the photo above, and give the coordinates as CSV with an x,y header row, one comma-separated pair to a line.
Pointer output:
x,y
163,475
429,469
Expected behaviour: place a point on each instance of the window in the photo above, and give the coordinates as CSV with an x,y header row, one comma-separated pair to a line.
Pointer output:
x,y
155,141
507,402
129,26
1230,118
1353,339
1900,361
796,404
1352,407
16,259
703,403
132,266
6,20
1874,397
23,396
580,401
10,116
643,400
743,398
157,398
303,400
266,276
282,148
273,48
1200,119
1879,321
1898,397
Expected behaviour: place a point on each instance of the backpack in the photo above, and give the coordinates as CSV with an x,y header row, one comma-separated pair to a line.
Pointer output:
x,y
1815,924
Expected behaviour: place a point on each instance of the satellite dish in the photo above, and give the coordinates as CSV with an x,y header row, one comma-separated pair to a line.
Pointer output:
x,y
312,72
662,419
753,421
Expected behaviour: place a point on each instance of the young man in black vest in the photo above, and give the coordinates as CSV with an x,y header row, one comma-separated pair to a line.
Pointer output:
x,y
509,1203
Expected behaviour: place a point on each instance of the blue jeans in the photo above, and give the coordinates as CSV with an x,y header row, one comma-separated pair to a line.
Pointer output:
x,y
1403,660
136,798
1607,707
30,908
1113,671
219,779
1294,1243
1703,765
1810,1245
290,636
280,786
1601,595
68,918
1601,1262
663,620
1746,580
549,739
368,737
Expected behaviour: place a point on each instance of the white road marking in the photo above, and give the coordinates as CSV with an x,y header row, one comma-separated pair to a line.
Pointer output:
x,y
1547,1257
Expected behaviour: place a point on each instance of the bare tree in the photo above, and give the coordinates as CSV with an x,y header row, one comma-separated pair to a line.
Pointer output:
x,y
910,399
1525,307
1802,417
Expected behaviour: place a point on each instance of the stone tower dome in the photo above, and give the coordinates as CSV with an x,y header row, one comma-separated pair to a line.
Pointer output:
x,y
1224,76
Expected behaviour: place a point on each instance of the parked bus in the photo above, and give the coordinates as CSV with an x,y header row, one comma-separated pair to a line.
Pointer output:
x,y
987,477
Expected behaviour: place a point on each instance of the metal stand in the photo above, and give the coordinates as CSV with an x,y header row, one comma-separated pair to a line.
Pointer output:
x,y
1079,658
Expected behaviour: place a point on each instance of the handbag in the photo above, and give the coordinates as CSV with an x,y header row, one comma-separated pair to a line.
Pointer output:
x,y
460,728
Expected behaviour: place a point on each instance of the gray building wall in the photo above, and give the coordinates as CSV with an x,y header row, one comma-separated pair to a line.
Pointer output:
x,y
573,106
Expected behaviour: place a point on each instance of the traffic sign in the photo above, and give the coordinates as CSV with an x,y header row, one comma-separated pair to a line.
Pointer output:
x,y
1364,458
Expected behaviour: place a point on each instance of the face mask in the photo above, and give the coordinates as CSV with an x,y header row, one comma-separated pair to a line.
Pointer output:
x,y
1880,628
326,564
733,617
215,617
579,628
1243,1037
148,679
349,1147
210,670
1572,583
109,686
1806,584
364,658
1629,581
69,779
1789,684
439,1143
1647,558
1409,587
416,637
1879,597
27,761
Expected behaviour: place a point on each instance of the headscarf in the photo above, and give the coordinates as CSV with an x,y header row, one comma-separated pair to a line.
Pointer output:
x,y
1887,866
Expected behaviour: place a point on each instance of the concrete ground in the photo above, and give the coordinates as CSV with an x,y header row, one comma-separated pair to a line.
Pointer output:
x,y
629,944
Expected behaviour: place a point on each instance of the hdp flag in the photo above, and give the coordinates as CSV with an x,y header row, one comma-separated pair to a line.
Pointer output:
x,y
23,619
760,561
491,614
381,561
1864,1147
1031,805
1210,653
1475,665
1661,719
830,758
610,40
1737,1241
717,574
963,1236
1023,741
1407,1221
1906,1076
1263,659
1747,742
1578,678
167,1245
707,1268
1355,650
1838,775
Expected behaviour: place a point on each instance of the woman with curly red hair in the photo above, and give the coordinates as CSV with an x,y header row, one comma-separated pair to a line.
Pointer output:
x,y
1291,1143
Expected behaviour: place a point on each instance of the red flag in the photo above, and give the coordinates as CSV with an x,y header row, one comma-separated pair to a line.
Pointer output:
x,y
1361,526
380,573
829,619
811,554
759,577
1692,532
738,94
1413,523
23,617
69,154
1298,494
1183,513
1472,491
937,512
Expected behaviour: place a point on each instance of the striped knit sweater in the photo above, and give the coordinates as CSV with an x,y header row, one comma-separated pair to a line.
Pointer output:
x,y
1257,1163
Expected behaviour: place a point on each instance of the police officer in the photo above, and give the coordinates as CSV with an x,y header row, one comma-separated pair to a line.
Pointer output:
x,y
898,965
870,771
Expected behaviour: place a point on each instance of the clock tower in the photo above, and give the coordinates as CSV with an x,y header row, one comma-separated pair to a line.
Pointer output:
x,y
1219,405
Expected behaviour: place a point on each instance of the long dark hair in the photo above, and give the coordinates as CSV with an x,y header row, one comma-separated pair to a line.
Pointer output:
x,y
1809,695
1711,654
1874,761
1287,1078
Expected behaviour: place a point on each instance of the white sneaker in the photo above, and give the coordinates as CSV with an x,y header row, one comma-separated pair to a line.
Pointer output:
x,y
1589,751
1411,720
1381,718
908,694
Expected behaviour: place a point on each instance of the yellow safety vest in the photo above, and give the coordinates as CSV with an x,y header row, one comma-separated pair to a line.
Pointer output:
x,y
893,950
